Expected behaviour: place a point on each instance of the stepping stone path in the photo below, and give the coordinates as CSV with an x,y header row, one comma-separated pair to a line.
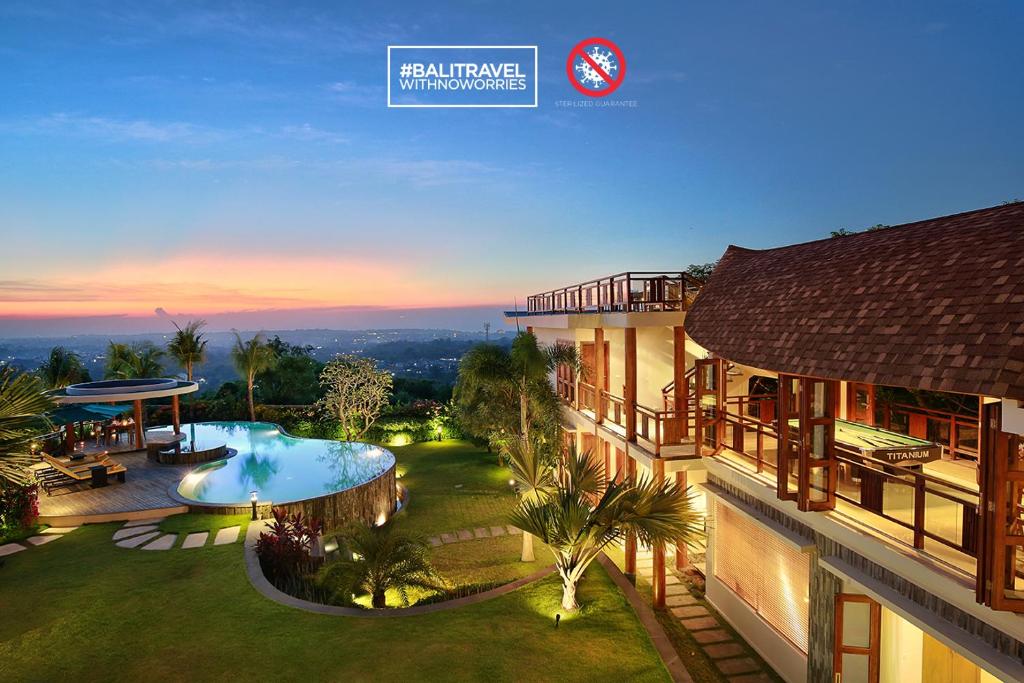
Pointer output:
x,y
45,536
497,531
165,542
472,534
465,535
196,540
731,656
228,535
145,534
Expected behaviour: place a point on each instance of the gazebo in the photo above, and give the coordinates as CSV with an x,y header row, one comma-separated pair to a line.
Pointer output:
x,y
128,390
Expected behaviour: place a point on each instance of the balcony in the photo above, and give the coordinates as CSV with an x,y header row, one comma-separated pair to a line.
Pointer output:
x,y
932,509
655,429
633,292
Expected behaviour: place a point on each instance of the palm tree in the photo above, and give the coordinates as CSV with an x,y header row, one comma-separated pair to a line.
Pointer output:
x,y
520,377
375,560
61,368
251,358
136,361
23,406
532,466
576,531
187,346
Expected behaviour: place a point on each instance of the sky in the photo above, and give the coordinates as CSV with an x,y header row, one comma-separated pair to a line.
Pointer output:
x,y
238,161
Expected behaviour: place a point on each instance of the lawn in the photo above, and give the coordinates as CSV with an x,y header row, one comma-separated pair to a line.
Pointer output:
x,y
82,608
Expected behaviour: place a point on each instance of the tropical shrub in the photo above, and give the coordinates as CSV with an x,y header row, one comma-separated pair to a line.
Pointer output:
x,y
285,549
19,507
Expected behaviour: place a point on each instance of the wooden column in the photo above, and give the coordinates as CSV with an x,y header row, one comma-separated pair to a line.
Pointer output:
x,y
658,552
679,376
631,538
682,561
176,414
138,426
630,397
69,437
599,380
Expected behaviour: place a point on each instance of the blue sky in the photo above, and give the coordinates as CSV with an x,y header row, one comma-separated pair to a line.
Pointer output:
x,y
240,157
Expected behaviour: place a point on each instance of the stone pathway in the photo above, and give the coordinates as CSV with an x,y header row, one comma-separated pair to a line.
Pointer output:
x,y
145,534
45,536
733,659
472,534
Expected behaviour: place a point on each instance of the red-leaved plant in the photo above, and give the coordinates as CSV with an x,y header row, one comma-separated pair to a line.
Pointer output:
x,y
284,550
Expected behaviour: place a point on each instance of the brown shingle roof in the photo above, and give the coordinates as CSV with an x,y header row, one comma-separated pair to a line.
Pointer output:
x,y
937,304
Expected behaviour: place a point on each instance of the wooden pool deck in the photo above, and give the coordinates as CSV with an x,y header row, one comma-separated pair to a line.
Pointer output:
x,y
144,494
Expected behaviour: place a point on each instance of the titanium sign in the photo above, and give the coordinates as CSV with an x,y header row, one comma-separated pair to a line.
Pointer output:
x,y
462,76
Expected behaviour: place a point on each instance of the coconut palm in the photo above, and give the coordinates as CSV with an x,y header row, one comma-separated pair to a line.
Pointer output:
x,y
135,361
61,368
23,405
375,560
251,358
187,346
532,467
576,531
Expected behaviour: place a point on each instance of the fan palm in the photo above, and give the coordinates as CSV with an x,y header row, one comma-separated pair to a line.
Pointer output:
x,y
576,531
252,357
61,368
532,467
23,405
187,346
375,560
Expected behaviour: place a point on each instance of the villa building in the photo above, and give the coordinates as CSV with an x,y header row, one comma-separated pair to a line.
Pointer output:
x,y
852,409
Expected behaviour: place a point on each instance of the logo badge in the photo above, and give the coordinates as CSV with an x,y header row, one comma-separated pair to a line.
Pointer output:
x,y
596,67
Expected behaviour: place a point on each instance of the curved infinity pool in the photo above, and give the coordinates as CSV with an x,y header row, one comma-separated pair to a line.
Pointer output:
x,y
279,467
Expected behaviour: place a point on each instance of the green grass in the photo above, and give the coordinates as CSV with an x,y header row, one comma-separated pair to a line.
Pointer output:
x,y
86,609
452,485
21,534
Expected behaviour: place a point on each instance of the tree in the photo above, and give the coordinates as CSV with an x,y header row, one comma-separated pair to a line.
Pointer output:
x,y
61,368
135,361
250,358
518,381
375,560
701,271
294,378
532,467
355,392
23,407
576,530
188,347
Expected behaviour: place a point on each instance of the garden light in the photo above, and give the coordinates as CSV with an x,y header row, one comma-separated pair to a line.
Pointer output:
x,y
252,499
558,618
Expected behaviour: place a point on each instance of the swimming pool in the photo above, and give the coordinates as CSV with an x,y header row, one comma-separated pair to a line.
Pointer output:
x,y
290,471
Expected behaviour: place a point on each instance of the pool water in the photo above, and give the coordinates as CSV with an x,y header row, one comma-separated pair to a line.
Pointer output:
x,y
281,468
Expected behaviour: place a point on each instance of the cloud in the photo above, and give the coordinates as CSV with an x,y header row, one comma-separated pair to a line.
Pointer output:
x,y
118,130
160,312
308,133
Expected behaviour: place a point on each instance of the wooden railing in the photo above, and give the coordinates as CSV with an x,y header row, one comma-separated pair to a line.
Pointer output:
x,y
621,293
863,483
614,408
588,396
566,389
961,440
753,414
662,427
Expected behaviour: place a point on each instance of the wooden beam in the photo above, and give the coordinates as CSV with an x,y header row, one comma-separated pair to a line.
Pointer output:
x,y
630,397
658,551
599,381
176,414
69,437
679,376
630,537
139,438
682,559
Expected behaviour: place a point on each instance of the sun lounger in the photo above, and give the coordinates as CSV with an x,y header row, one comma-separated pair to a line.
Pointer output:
x,y
96,472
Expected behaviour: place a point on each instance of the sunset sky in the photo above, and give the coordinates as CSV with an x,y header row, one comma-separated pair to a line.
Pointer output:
x,y
180,159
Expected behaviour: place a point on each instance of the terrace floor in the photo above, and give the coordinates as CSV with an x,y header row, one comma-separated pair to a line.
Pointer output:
x,y
145,489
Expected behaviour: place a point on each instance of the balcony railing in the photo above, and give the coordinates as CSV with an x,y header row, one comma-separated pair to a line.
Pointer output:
x,y
632,292
921,506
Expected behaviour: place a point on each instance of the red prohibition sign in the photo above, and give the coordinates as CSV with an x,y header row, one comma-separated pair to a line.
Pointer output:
x,y
579,51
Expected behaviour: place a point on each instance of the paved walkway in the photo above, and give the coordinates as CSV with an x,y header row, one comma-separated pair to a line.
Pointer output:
x,y
45,536
145,534
473,534
732,657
